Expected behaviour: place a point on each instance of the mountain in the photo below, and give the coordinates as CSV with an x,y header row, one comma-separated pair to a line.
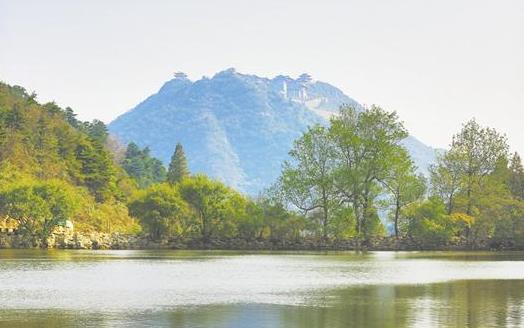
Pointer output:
x,y
237,127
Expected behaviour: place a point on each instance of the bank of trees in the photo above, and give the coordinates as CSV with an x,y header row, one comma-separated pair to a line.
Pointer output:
x,y
342,175
342,181
478,182
199,208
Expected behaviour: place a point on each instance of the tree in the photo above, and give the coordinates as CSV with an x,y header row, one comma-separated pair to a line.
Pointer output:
x,y
39,206
178,168
307,181
142,167
476,150
213,203
365,143
516,178
70,117
403,185
428,224
96,170
97,131
161,209
446,178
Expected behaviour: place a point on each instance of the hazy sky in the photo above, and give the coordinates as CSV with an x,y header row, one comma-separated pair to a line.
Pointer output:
x,y
437,63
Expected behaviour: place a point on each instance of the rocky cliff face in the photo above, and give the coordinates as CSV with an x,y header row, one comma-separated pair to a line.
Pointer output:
x,y
236,127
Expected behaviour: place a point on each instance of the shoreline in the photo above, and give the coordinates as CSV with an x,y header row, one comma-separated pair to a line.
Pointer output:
x,y
118,241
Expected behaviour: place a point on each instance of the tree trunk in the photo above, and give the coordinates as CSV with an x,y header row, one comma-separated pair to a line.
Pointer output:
x,y
205,234
397,214
325,223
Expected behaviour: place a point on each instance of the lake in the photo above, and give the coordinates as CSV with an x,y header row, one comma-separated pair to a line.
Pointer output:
x,y
62,288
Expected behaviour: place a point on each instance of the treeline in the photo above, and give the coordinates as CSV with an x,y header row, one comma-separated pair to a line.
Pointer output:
x,y
195,207
341,182
342,176
55,168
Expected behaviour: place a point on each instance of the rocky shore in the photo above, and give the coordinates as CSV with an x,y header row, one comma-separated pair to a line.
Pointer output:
x,y
65,239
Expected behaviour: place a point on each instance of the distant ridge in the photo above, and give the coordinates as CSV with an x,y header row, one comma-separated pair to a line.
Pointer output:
x,y
237,127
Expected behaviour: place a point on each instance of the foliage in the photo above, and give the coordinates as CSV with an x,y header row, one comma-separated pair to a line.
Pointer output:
x,y
54,168
142,167
178,168
161,210
279,223
346,165
365,143
404,186
42,144
216,206
39,206
308,181
428,224
516,177
476,151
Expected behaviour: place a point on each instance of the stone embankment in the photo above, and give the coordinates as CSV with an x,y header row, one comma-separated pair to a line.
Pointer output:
x,y
67,239
73,240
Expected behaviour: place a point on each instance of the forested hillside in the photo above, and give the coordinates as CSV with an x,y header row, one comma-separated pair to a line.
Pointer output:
x,y
47,156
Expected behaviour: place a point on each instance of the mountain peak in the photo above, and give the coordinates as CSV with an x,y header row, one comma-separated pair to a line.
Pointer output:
x,y
235,127
228,71
177,83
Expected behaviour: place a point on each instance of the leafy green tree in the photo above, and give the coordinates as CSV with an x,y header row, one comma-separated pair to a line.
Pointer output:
x,y
251,225
403,185
446,179
178,168
307,181
214,204
365,143
477,150
39,206
497,211
472,178
161,210
428,224
343,223
281,225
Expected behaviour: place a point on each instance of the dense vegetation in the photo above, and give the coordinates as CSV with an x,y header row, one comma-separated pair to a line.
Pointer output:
x,y
54,167
357,168
142,167
340,180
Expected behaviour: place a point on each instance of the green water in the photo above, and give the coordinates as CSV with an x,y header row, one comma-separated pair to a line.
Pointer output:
x,y
238,289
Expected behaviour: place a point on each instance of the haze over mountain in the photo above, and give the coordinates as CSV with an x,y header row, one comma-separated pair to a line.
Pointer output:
x,y
237,127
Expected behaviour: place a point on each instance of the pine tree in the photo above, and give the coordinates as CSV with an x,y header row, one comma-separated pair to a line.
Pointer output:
x,y
142,167
178,167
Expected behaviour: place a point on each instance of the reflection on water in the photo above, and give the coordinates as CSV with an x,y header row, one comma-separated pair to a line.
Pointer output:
x,y
236,289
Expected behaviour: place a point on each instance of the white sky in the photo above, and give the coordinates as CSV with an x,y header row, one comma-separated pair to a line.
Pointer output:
x,y
437,63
